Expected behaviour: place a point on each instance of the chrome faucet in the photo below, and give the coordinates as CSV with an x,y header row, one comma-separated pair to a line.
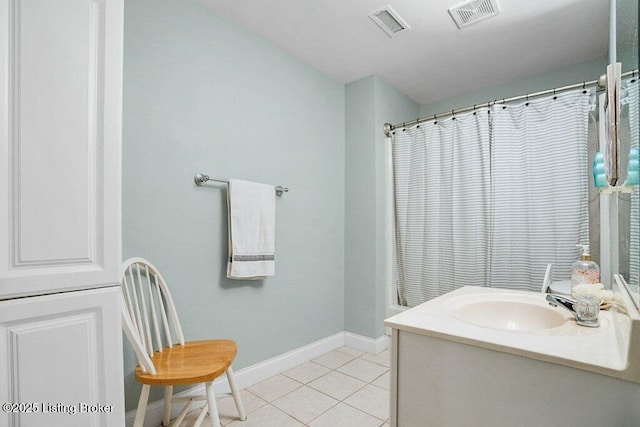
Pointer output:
x,y
568,303
556,300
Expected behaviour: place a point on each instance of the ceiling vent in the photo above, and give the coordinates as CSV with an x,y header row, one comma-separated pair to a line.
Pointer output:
x,y
389,21
470,12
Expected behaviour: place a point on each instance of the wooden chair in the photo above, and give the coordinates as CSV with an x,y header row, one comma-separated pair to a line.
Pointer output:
x,y
147,313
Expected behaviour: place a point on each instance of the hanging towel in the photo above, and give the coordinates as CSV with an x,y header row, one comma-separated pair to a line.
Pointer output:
x,y
252,224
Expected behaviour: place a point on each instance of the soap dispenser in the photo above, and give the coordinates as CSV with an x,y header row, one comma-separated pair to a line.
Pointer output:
x,y
584,270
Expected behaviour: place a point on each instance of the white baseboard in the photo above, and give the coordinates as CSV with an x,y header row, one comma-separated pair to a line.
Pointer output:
x,y
366,344
253,374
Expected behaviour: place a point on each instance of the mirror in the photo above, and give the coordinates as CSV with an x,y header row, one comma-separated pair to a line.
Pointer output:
x,y
626,44
629,130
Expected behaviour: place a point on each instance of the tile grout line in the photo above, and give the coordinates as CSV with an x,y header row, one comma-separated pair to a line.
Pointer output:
x,y
338,401
230,396
350,376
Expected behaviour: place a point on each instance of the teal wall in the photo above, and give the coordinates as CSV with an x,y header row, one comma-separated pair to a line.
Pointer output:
x,y
203,95
392,106
572,74
370,102
627,12
360,213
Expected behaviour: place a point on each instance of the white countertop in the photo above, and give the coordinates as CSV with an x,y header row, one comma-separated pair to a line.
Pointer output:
x,y
603,350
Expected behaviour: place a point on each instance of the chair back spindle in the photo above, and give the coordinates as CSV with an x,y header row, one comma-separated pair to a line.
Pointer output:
x,y
148,309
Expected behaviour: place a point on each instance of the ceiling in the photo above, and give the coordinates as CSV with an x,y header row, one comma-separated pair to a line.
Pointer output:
x,y
434,60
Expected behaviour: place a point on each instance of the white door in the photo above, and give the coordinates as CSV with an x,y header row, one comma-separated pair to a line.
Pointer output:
x,y
60,143
61,360
60,238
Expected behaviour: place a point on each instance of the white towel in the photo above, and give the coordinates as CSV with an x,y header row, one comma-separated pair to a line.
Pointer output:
x,y
252,225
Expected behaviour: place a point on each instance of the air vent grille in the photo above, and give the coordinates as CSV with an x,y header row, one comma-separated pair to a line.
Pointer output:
x,y
470,12
389,21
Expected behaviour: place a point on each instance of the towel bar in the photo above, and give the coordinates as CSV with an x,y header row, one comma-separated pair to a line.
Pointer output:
x,y
200,179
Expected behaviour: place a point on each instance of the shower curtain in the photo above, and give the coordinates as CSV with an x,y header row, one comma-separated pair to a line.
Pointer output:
x,y
540,182
488,198
442,206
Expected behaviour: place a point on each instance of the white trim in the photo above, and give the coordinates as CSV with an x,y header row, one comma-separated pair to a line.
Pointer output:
x,y
262,370
253,374
606,266
391,278
393,307
614,259
370,345
392,292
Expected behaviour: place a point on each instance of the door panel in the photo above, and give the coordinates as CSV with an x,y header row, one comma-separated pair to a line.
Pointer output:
x,y
63,359
60,131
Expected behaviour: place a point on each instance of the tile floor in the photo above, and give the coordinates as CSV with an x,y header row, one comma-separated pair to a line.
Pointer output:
x,y
344,387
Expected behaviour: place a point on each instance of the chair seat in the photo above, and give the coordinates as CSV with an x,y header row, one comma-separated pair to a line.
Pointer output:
x,y
194,362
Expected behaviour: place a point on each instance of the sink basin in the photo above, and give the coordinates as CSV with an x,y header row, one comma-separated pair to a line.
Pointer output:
x,y
509,312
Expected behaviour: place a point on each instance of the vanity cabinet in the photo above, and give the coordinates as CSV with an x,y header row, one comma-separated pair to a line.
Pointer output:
x,y
488,357
441,383
60,232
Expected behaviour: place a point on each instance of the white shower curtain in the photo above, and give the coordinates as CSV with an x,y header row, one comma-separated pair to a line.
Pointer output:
x,y
488,199
539,189
442,205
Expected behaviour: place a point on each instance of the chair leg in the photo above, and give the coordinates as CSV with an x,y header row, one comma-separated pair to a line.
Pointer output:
x,y
236,394
213,408
142,406
201,415
168,396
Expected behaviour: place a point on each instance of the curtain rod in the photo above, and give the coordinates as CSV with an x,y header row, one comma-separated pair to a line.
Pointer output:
x,y
601,83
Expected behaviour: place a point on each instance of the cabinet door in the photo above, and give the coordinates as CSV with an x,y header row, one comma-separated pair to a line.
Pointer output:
x,y
61,359
60,136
